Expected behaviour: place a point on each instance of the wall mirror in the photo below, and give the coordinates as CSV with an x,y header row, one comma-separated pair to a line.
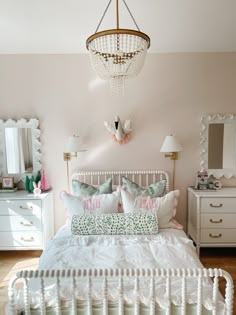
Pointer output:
x,y
218,145
19,148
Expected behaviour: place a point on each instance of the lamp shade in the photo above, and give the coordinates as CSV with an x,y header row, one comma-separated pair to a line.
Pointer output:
x,y
74,144
171,144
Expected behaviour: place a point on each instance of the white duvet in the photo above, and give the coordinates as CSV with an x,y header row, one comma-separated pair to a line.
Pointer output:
x,y
169,249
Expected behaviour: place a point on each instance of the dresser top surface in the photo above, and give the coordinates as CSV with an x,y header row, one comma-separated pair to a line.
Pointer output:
x,y
22,194
223,192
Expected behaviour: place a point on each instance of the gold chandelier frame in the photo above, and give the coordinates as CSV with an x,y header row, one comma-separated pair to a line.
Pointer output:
x,y
118,30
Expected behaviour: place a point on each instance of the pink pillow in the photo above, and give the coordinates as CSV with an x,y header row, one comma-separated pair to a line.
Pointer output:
x,y
95,204
164,206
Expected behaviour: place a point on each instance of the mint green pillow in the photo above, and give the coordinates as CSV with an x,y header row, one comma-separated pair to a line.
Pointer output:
x,y
154,190
80,188
143,223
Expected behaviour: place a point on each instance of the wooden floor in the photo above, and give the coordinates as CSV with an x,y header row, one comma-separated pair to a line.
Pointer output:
x,y
11,262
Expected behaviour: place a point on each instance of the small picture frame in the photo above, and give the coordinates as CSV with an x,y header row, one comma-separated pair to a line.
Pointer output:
x,y
8,182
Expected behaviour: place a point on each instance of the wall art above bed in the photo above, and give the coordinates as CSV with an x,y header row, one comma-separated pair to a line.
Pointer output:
x,y
120,131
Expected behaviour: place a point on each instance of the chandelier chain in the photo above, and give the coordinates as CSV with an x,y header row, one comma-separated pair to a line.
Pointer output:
x,y
131,15
107,7
104,13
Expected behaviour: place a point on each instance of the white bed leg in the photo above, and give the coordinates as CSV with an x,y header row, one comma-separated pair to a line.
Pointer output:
x,y
152,294
105,297
229,293
121,294
58,299
42,297
11,295
215,289
199,293
90,311
183,306
136,290
74,306
26,297
168,293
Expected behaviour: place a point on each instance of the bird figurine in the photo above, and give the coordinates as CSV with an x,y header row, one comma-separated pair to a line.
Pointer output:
x,y
120,132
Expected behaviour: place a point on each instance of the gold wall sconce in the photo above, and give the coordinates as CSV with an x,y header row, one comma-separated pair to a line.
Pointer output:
x,y
73,146
171,147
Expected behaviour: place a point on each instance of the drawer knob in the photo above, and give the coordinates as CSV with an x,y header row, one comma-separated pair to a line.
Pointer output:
x,y
215,236
26,208
216,206
27,223
30,239
216,221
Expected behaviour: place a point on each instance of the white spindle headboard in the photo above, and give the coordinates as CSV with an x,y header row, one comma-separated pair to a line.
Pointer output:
x,y
142,178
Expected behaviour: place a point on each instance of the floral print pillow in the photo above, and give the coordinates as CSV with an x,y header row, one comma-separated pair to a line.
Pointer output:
x,y
80,188
156,189
115,224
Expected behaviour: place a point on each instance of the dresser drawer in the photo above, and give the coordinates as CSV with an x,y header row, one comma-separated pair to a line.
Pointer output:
x,y
26,221
20,207
21,239
20,223
218,235
218,220
218,204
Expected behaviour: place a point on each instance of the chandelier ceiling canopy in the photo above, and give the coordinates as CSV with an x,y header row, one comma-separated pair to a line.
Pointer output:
x,y
117,54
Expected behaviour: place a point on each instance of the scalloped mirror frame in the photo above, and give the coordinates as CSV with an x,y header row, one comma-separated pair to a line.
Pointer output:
x,y
32,123
205,121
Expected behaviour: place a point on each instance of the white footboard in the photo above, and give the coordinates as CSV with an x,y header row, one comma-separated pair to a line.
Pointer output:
x,y
120,275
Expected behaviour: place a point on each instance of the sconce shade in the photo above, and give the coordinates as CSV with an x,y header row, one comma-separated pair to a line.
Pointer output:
x,y
74,144
171,144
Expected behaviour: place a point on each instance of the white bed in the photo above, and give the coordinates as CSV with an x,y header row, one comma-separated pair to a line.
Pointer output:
x,y
121,274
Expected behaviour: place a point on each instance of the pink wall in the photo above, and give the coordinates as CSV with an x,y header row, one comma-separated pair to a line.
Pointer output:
x,y
170,96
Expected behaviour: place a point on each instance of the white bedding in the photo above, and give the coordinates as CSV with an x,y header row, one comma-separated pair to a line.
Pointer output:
x,y
169,249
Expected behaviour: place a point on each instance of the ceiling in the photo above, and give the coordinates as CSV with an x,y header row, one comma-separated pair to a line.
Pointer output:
x,y
62,26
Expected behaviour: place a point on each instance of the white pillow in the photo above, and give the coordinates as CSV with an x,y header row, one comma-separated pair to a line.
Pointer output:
x,y
95,204
164,206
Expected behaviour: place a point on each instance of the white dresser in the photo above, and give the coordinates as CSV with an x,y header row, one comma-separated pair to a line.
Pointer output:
x,y
26,222
212,217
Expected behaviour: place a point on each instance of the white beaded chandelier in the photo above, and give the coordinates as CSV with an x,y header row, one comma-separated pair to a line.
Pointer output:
x,y
117,54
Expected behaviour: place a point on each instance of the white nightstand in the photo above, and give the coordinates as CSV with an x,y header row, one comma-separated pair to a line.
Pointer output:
x,y
26,222
212,217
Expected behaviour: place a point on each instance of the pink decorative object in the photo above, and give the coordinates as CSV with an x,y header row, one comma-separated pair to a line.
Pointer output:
x,y
7,182
124,140
44,181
